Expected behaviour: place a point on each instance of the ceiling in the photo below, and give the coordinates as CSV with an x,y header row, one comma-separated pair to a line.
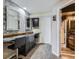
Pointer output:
x,y
36,6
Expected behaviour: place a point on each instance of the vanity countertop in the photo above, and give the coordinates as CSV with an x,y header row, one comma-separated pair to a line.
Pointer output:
x,y
9,35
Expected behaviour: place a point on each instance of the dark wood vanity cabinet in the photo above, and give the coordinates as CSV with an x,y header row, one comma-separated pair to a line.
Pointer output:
x,y
29,44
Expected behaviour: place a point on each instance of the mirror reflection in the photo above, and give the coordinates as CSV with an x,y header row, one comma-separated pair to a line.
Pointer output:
x,y
11,18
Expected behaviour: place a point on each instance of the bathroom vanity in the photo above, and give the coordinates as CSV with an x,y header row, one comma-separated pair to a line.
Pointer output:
x,y
23,41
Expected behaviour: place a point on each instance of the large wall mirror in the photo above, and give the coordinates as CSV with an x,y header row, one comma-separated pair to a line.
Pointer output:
x,y
12,19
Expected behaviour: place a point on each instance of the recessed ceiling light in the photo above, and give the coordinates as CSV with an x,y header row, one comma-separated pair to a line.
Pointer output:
x,y
25,8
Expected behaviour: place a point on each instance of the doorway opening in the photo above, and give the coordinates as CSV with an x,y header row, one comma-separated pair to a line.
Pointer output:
x,y
67,32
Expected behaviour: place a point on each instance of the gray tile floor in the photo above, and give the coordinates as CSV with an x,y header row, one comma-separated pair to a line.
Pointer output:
x,y
63,56
54,57
39,52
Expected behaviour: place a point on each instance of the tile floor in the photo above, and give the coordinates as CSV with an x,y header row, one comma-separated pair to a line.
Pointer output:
x,y
66,53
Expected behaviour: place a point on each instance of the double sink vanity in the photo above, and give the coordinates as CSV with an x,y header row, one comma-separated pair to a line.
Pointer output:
x,y
19,42
12,36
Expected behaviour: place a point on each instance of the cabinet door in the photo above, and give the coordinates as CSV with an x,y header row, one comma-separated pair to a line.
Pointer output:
x,y
27,45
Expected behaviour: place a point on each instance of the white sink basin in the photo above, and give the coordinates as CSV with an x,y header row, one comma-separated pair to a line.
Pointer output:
x,y
35,31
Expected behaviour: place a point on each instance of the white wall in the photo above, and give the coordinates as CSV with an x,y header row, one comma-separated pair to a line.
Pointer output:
x,y
45,29
54,37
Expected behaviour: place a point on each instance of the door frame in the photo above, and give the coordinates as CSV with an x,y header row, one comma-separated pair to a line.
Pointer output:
x,y
59,21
